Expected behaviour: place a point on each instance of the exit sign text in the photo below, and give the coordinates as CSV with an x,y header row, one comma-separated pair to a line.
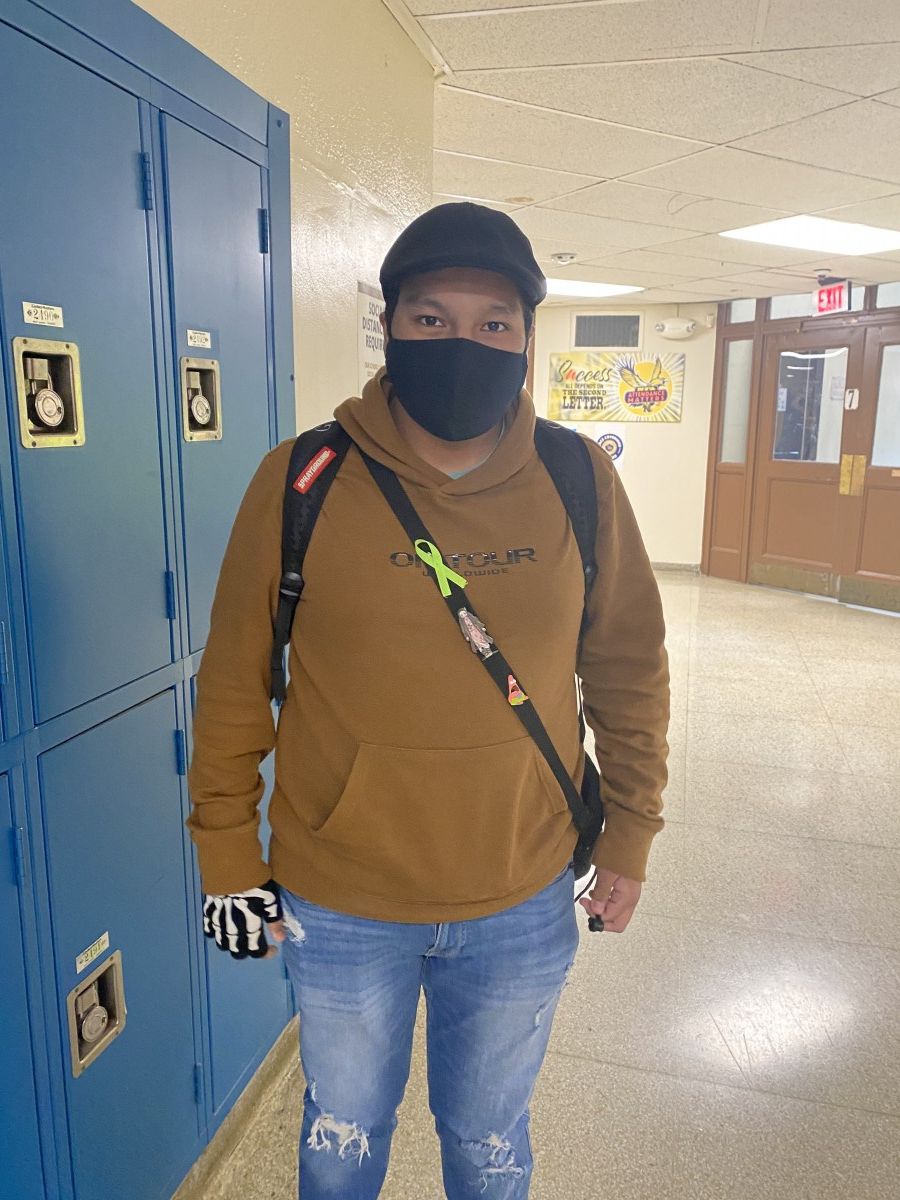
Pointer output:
x,y
834,297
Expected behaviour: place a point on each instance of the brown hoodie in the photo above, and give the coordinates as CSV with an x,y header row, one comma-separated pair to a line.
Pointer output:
x,y
405,788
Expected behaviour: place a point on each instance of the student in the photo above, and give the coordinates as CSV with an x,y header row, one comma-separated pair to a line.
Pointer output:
x,y
419,838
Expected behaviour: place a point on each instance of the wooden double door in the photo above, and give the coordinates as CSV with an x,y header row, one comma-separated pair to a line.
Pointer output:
x,y
825,509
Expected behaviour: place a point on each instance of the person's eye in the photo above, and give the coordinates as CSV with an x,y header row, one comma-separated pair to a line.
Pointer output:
x,y
428,317
502,326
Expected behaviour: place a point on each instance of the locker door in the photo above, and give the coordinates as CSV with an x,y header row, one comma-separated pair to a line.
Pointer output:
x,y
73,235
214,200
249,1002
20,1153
113,819
8,716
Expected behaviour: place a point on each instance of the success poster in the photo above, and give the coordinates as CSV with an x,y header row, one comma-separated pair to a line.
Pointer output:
x,y
602,385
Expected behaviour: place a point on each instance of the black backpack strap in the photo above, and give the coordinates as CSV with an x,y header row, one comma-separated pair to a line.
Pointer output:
x,y
568,461
315,460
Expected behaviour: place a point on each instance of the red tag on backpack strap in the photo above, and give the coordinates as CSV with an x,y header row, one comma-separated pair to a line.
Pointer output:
x,y
313,470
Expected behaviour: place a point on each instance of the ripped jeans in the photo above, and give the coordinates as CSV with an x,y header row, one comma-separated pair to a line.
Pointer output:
x,y
491,987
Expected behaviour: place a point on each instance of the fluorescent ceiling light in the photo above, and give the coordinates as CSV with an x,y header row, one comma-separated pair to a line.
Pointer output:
x,y
821,235
581,287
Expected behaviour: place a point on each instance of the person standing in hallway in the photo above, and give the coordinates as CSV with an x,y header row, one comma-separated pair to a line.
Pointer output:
x,y
419,839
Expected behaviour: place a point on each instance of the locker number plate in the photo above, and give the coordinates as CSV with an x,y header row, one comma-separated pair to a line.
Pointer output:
x,y
86,957
41,314
199,337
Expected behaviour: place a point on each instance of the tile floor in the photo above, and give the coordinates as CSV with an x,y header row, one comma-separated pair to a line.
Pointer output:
x,y
741,1040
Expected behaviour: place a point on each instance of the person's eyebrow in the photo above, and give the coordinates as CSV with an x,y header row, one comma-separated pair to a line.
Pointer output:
x,y
418,298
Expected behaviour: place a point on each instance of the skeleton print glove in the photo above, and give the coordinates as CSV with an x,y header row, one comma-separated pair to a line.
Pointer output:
x,y
236,920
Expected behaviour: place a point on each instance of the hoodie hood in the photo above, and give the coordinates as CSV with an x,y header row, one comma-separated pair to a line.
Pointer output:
x,y
367,419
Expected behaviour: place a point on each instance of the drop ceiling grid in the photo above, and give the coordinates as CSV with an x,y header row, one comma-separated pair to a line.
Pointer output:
x,y
861,70
496,179
632,133
590,33
862,138
657,205
707,99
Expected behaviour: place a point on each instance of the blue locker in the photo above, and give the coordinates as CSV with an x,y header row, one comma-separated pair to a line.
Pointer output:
x,y
112,809
8,715
216,243
146,196
217,240
73,234
20,1150
238,988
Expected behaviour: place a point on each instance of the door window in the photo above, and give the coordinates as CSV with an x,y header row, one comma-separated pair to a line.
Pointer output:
x,y
886,447
809,405
736,401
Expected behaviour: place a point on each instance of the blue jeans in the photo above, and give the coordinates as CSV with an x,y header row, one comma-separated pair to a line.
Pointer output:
x,y
491,987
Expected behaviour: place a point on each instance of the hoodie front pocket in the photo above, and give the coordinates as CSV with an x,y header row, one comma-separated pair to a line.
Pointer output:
x,y
452,825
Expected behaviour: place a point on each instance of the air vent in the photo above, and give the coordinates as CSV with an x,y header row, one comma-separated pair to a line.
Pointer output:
x,y
602,330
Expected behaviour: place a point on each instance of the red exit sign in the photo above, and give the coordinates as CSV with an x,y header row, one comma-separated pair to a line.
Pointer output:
x,y
834,297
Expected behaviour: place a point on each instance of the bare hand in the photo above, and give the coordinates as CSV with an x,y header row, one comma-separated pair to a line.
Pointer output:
x,y
614,898
276,928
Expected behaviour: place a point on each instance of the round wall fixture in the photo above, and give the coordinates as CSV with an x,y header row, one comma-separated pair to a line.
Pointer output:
x,y
612,444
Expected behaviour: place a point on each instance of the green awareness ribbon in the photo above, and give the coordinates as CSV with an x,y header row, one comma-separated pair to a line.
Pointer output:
x,y
430,554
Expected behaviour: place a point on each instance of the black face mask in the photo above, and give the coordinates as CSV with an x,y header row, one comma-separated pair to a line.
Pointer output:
x,y
455,388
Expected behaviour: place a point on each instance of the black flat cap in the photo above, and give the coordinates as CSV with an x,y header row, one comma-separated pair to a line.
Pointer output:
x,y
463,234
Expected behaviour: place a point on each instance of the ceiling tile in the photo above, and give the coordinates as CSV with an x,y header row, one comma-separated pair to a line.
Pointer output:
x,y
544,247
468,123
826,23
465,175
629,235
421,8
669,264
707,99
629,303
679,210
862,70
881,269
724,288
674,296
578,270
456,197
729,174
775,282
582,33
884,212
720,249
862,138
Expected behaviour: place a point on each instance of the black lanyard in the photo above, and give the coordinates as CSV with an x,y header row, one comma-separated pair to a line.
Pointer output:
x,y
470,625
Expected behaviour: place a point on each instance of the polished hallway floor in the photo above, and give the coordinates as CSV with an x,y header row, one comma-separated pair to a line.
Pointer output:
x,y
741,1040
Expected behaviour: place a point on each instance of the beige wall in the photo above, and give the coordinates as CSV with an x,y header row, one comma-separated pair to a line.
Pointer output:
x,y
361,99
663,467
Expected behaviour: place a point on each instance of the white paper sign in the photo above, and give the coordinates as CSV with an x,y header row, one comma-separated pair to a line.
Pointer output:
x,y
370,340
199,337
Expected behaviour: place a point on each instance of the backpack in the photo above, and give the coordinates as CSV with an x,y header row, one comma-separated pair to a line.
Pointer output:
x,y
315,461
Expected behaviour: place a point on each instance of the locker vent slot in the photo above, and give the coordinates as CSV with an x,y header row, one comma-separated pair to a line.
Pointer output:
x,y
147,181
